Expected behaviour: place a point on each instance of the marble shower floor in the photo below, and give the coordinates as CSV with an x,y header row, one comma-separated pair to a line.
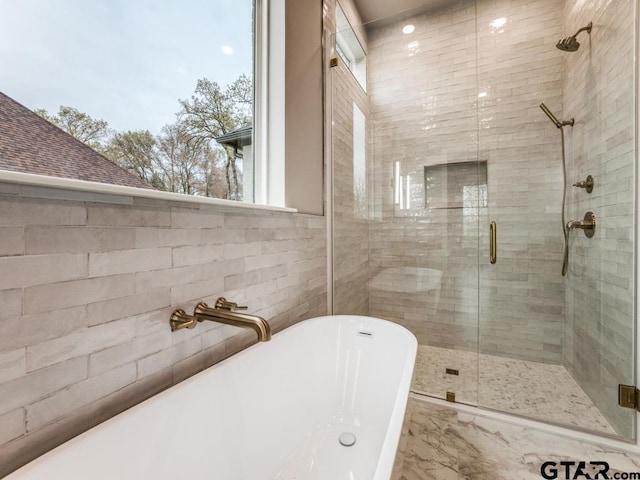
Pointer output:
x,y
538,390
443,443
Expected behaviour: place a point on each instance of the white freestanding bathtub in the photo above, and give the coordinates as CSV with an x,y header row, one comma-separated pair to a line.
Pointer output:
x,y
278,410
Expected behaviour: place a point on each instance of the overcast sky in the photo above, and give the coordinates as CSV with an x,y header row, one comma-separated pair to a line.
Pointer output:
x,y
124,61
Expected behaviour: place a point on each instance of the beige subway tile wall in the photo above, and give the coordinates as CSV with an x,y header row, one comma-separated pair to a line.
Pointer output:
x,y
86,290
522,296
423,93
598,91
459,90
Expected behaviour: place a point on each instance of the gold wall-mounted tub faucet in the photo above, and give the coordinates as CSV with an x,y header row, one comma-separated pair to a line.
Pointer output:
x,y
224,312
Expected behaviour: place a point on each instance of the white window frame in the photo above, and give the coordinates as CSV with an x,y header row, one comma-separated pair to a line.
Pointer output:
x,y
269,118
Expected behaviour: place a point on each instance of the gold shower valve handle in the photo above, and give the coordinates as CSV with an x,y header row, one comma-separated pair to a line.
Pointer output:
x,y
588,225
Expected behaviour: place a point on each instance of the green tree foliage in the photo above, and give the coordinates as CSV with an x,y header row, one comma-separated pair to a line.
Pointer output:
x,y
189,166
136,152
184,157
212,112
88,130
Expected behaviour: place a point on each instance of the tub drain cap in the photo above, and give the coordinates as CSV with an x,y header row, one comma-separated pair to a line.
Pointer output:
x,y
347,439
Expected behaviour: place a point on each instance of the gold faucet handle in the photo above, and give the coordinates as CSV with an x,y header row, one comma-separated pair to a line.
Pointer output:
x,y
586,184
180,319
223,304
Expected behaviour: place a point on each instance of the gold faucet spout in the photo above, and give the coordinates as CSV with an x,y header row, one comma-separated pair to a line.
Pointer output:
x,y
204,312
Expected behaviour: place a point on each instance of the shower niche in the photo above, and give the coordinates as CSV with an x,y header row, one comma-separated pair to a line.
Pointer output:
x,y
456,185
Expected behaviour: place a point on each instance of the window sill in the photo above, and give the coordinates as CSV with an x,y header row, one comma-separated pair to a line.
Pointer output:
x,y
114,193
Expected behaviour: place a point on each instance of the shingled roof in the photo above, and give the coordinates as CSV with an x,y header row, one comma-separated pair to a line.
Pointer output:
x,y
30,144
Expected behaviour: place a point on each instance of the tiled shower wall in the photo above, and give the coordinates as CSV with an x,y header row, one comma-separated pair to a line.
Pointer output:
x,y
350,202
350,226
424,90
522,295
87,285
599,93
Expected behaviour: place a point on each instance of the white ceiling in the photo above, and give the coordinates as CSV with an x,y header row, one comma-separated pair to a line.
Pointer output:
x,y
371,10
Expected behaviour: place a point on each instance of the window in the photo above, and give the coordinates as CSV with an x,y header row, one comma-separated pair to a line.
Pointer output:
x,y
360,191
349,48
160,93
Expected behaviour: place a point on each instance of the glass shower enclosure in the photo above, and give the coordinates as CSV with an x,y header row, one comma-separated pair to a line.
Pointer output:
x,y
447,206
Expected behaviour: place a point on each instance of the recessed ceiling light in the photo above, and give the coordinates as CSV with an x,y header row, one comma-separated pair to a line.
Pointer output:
x,y
227,50
498,22
407,29
482,94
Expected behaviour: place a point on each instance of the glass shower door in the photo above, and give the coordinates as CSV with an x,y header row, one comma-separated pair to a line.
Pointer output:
x,y
555,347
426,228
442,136
412,256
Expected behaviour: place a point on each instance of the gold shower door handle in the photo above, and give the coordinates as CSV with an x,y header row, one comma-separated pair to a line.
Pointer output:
x,y
493,243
